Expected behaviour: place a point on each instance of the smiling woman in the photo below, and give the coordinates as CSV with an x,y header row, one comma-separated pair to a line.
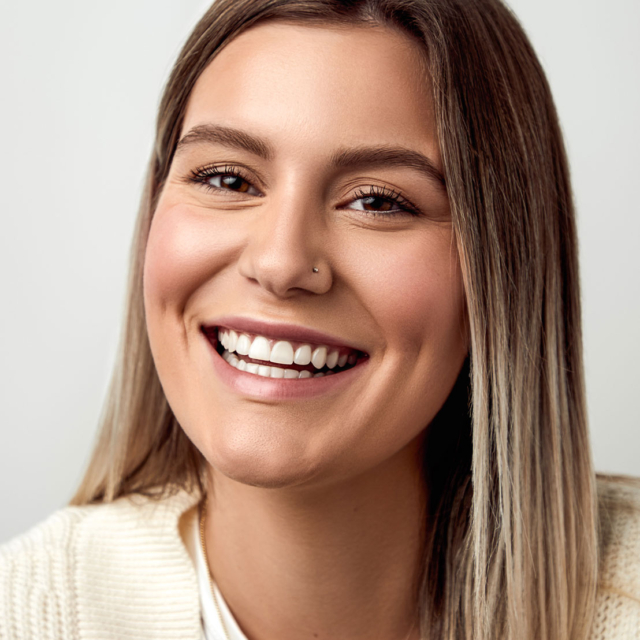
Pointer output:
x,y
349,402
276,197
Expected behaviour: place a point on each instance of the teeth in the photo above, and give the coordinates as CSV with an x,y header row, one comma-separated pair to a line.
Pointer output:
x,y
282,352
319,357
243,345
332,359
260,349
273,372
303,355
264,371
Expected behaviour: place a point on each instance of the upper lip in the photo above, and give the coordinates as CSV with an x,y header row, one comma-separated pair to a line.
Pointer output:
x,y
279,331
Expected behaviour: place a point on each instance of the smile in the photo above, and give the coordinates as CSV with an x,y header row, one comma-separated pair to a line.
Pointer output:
x,y
271,358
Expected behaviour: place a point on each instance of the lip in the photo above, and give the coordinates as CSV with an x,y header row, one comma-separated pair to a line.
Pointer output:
x,y
279,331
250,384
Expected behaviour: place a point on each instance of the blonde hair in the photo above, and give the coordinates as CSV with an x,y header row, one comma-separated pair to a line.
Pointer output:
x,y
511,546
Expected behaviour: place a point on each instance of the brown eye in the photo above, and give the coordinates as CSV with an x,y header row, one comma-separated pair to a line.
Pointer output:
x,y
378,204
231,182
374,203
381,201
227,179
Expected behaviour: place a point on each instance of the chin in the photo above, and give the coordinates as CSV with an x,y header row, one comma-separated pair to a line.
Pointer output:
x,y
267,467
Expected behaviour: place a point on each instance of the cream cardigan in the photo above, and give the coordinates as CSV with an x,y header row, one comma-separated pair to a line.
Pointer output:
x,y
121,571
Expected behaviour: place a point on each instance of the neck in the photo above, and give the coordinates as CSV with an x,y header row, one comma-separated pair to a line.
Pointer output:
x,y
339,562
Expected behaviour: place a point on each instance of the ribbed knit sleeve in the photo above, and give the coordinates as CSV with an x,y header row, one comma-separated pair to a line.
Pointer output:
x,y
142,581
116,571
37,573
617,611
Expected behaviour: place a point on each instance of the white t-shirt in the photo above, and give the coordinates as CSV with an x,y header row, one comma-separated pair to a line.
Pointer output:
x,y
211,623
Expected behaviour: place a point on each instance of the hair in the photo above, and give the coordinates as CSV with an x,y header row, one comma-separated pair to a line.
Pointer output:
x,y
511,545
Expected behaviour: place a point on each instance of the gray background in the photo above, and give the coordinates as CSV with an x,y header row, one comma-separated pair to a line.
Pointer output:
x,y
80,85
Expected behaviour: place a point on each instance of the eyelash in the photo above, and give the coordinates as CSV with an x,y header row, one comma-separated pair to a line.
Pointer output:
x,y
202,175
391,195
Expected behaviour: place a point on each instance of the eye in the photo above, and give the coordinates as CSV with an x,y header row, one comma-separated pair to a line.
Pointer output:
x,y
223,179
373,203
230,182
383,202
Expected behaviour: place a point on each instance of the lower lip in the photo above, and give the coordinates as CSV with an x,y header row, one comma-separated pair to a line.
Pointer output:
x,y
251,384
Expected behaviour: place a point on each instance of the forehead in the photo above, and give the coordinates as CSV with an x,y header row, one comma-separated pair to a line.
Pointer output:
x,y
338,84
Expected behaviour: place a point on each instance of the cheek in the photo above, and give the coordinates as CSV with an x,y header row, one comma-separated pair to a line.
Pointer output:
x,y
186,250
415,290
183,251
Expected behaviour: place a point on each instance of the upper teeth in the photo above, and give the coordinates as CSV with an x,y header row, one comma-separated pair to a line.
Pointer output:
x,y
283,351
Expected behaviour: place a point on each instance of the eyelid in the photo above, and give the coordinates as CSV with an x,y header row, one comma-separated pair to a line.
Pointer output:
x,y
390,194
200,174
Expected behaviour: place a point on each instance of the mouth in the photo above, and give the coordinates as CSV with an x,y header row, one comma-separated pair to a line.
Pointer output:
x,y
269,357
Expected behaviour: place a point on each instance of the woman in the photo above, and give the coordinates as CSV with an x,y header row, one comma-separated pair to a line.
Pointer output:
x,y
350,386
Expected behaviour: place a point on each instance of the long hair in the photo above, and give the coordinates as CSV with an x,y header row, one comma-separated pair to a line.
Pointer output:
x,y
511,546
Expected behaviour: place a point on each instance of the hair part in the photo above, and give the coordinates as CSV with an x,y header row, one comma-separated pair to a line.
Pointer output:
x,y
511,547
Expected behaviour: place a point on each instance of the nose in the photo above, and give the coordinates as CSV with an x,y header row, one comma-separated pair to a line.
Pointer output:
x,y
285,250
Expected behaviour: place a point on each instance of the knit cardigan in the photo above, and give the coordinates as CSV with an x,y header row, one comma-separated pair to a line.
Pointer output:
x,y
120,571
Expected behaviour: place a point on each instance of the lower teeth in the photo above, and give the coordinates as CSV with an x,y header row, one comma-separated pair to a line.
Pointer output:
x,y
270,371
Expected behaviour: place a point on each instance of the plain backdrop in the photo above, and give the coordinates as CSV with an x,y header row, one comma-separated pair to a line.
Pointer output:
x,y
80,83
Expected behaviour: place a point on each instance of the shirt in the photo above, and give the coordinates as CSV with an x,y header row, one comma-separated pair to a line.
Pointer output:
x,y
211,622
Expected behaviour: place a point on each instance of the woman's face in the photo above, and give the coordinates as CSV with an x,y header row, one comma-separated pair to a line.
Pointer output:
x,y
306,147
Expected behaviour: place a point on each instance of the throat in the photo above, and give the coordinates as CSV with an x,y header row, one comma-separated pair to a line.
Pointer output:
x,y
341,563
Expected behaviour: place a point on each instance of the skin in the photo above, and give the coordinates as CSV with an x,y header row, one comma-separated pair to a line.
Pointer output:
x,y
313,528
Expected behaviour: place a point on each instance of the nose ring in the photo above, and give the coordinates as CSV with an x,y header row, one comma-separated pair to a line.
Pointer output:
x,y
315,269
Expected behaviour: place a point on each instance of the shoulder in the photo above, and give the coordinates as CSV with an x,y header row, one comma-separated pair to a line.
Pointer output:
x,y
60,533
36,570
83,564
619,533
617,613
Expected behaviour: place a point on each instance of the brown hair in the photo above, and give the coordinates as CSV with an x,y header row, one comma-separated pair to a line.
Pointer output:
x,y
511,547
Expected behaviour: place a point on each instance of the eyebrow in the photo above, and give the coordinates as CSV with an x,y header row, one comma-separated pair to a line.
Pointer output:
x,y
227,137
375,156
389,157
